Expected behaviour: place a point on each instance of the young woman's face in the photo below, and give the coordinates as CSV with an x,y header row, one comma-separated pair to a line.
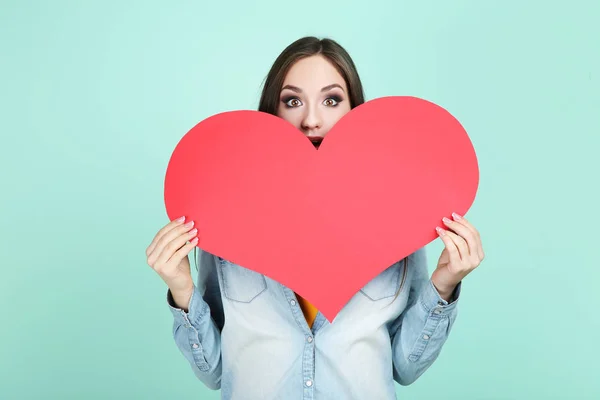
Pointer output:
x,y
313,97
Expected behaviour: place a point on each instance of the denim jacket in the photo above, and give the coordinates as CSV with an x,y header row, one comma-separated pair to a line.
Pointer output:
x,y
245,334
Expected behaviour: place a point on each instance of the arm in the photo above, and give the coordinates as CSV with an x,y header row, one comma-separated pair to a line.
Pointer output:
x,y
197,334
419,333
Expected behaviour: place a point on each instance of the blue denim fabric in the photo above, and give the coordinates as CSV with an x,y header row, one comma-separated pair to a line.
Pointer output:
x,y
246,335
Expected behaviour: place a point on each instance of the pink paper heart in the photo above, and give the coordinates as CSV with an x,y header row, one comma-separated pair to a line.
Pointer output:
x,y
323,222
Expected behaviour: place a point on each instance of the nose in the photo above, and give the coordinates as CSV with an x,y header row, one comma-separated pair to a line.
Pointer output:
x,y
312,119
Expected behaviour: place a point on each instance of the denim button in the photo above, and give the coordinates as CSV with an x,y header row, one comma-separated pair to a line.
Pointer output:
x,y
195,345
309,383
309,339
293,302
426,337
437,311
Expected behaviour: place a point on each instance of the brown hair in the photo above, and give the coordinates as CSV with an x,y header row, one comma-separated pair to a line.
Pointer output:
x,y
306,47
302,48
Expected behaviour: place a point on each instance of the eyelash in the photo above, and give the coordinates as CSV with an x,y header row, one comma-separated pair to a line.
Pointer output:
x,y
286,100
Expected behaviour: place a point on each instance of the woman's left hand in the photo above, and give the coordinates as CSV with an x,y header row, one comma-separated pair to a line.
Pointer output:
x,y
463,253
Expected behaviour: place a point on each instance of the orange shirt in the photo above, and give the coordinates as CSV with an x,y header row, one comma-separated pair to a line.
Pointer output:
x,y
310,311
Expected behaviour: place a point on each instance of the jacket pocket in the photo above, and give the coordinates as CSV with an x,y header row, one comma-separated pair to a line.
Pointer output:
x,y
241,284
387,283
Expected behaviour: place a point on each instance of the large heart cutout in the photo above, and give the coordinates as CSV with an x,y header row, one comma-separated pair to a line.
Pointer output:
x,y
323,222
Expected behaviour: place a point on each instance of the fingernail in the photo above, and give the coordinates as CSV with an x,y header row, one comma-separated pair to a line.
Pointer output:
x,y
193,232
180,219
446,220
189,224
440,231
194,241
456,216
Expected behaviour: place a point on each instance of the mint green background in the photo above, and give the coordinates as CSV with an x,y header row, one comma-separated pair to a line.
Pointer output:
x,y
95,95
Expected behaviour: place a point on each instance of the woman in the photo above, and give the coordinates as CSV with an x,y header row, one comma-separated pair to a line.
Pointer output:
x,y
275,344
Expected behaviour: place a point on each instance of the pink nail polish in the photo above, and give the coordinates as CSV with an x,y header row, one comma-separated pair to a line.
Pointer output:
x,y
456,216
440,231
180,219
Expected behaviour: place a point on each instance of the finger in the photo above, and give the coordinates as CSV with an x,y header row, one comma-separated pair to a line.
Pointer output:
x,y
479,249
161,232
167,238
462,220
183,252
461,244
174,245
466,234
453,252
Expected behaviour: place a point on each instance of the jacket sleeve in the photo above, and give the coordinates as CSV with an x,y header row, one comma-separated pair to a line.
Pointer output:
x,y
419,333
197,333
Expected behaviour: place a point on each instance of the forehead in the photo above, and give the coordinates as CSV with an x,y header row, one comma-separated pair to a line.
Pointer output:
x,y
312,73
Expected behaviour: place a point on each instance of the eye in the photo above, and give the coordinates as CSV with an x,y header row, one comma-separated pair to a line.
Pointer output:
x,y
332,101
291,102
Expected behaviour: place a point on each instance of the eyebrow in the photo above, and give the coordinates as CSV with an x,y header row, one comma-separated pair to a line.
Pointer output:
x,y
298,90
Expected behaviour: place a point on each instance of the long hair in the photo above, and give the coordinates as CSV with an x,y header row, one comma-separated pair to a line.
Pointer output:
x,y
306,47
302,48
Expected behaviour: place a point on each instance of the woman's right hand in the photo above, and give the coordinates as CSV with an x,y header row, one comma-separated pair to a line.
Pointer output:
x,y
167,254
